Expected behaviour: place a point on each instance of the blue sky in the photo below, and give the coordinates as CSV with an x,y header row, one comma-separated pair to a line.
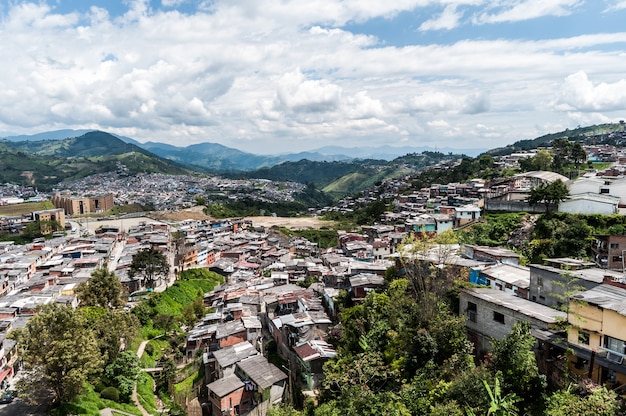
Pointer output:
x,y
269,76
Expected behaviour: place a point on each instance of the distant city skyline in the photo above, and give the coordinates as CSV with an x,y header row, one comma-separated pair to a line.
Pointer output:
x,y
275,76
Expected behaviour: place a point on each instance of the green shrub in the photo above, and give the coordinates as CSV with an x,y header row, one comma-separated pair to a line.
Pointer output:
x,y
99,387
110,393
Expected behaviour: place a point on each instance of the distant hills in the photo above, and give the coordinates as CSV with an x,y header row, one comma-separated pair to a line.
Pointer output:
x,y
217,158
45,163
46,159
579,134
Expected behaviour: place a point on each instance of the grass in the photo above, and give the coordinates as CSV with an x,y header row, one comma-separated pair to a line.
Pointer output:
x,y
90,403
25,208
145,393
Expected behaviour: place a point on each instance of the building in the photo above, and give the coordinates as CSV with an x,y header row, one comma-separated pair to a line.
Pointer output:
x,y
596,336
74,205
609,251
589,203
48,216
506,277
491,314
551,286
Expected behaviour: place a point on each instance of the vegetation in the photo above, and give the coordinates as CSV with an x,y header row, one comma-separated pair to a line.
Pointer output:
x,y
577,135
25,208
549,194
52,161
323,237
103,289
495,230
150,265
249,207
59,352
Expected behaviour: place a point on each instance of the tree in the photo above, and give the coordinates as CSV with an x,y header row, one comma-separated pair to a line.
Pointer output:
x,y
150,264
59,351
514,358
102,289
123,373
598,401
549,194
114,331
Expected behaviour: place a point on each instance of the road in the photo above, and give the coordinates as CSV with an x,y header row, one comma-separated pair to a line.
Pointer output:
x,y
18,407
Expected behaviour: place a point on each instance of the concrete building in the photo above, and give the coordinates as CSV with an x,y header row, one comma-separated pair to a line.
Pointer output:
x,y
551,286
596,335
492,314
74,205
609,251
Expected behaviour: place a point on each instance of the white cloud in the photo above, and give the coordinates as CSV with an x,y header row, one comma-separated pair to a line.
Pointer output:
x,y
448,19
518,10
298,94
258,72
579,93
615,6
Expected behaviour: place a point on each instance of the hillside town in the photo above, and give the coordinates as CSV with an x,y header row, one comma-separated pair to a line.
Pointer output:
x,y
284,293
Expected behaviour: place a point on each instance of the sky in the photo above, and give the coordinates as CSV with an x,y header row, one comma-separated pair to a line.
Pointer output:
x,y
275,76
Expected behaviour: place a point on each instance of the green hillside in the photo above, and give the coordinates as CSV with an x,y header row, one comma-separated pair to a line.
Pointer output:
x,y
48,162
576,135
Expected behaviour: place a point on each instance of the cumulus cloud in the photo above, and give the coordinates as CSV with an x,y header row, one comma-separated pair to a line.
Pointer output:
x,y
298,94
264,70
579,93
443,101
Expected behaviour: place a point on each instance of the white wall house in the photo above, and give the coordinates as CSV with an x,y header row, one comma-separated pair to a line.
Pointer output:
x,y
589,203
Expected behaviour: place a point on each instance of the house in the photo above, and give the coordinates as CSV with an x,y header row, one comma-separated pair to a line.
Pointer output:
x,y
231,333
311,357
221,363
485,253
598,317
589,203
609,251
465,215
551,286
506,277
225,396
362,283
491,314
264,381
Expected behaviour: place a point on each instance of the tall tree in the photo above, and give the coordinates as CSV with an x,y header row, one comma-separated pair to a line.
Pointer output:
x,y
514,357
103,289
123,372
150,264
114,331
549,194
59,351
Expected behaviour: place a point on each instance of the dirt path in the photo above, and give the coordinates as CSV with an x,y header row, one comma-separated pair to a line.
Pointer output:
x,y
297,223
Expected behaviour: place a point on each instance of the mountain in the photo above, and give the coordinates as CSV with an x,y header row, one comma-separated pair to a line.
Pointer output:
x,y
60,135
387,152
45,163
579,134
217,158
339,178
214,157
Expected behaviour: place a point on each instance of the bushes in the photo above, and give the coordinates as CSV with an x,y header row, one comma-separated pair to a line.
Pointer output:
x,y
110,393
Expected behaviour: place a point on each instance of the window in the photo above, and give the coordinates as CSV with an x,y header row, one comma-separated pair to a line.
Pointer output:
x,y
583,337
614,245
498,317
471,311
581,364
614,344
604,191
617,258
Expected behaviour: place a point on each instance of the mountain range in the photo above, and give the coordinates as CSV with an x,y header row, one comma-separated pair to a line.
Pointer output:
x,y
217,158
